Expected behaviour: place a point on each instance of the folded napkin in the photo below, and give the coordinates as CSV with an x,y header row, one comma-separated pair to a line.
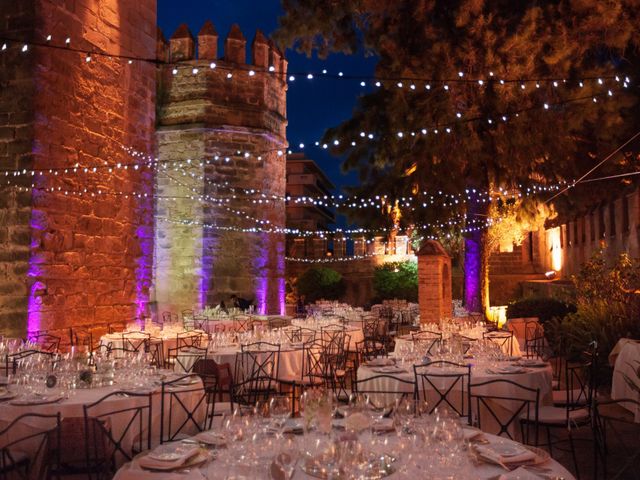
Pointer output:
x,y
519,474
471,433
155,464
133,473
383,425
211,438
487,452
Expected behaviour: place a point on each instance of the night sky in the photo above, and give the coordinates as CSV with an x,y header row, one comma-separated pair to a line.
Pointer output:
x,y
313,105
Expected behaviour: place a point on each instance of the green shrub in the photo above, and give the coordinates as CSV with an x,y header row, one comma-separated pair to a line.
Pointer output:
x,y
396,280
320,283
542,307
607,309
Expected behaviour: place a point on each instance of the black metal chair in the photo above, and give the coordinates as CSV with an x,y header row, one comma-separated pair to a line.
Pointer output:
x,y
534,340
293,334
15,463
218,383
449,383
135,342
502,338
189,338
427,340
46,341
182,359
183,411
384,398
103,447
523,407
14,361
576,411
616,432
256,373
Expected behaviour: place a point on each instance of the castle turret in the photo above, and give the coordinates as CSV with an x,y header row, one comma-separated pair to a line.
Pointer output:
x,y
206,247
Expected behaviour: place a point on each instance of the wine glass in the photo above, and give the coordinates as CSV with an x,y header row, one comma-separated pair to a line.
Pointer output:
x,y
280,410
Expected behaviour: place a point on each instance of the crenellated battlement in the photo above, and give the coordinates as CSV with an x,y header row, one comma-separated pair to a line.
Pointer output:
x,y
264,55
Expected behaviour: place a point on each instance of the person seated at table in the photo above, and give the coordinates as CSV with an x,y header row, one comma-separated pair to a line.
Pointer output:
x,y
241,303
301,310
221,307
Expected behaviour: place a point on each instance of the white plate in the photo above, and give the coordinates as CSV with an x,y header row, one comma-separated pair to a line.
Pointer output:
x,y
506,449
170,452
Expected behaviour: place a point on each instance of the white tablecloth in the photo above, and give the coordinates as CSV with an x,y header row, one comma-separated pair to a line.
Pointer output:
x,y
73,408
533,378
405,341
214,470
289,368
627,363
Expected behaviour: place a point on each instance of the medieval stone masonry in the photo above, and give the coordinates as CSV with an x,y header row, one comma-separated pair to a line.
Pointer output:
x,y
134,240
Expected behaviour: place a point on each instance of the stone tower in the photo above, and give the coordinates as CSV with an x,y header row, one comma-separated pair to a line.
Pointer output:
x,y
70,259
221,132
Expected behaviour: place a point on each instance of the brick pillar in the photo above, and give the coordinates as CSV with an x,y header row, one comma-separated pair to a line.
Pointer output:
x,y
434,283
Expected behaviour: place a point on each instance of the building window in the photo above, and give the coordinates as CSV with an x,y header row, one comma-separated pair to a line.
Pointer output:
x,y
592,226
625,214
601,224
612,218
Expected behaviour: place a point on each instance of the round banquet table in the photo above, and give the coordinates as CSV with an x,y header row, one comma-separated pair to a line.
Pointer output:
x,y
407,340
169,339
214,469
353,329
289,367
480,372
72,407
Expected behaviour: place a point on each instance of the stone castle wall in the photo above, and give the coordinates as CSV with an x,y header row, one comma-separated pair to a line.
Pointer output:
x,y
213,119
87,259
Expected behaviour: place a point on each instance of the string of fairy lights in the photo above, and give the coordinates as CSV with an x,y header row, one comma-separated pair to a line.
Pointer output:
x,y
604,87
410,83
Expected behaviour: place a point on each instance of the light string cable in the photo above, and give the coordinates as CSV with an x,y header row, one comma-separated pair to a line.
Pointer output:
x,y
590,171
460,78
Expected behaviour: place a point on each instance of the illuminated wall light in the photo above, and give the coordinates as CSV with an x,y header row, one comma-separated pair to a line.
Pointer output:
x,y
212,65
229,75
195,71
25,47
174,71
272,68
67,41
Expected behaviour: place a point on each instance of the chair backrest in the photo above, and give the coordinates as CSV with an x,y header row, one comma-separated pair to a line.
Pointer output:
x,y
443,383
155,348
256,372
524,402
427,341
502,338
368,349
182,359
182,407
26,358
383,391
103,443
293,334
135,342
189,338
46,341
533,339
242,323
22,435
370,326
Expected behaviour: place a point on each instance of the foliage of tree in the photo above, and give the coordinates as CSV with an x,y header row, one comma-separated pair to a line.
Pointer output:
x,y
524,142
320,283
396,280
544,308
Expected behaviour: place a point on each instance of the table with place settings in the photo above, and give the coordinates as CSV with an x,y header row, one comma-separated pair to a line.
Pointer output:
x,y
28,392
532,374
361,445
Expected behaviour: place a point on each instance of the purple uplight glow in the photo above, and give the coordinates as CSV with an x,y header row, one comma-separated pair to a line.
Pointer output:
x,y
35,273
472,272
